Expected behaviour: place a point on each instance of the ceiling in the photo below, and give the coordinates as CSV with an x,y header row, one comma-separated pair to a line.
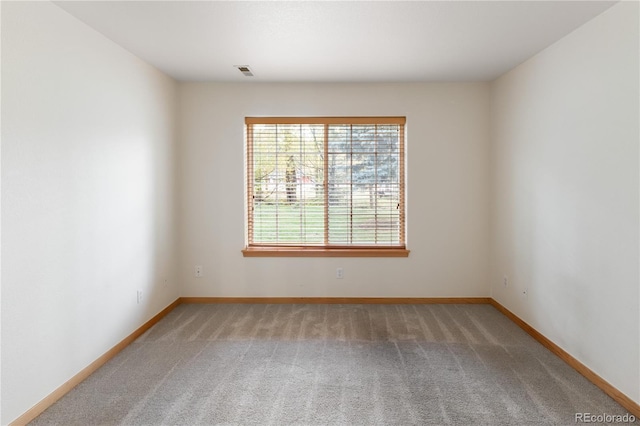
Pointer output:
x,y
335,41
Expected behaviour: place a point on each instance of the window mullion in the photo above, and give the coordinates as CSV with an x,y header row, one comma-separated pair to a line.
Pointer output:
x,y
277,171
298,188
351,184
375,184
326,184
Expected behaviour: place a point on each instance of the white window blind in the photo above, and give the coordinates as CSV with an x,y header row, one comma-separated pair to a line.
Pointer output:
x,y
334,182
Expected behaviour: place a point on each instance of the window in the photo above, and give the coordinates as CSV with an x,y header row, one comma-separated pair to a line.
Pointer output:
x,y
325,186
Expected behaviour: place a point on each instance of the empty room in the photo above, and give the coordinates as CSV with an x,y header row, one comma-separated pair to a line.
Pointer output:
x,y
312,213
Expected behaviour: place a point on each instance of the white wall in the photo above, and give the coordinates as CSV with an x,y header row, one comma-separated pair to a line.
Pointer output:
x,y
447,206
87,198
565,185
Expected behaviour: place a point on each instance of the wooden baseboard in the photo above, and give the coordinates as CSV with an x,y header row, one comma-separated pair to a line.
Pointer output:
x,y
340,300
50,399
609,389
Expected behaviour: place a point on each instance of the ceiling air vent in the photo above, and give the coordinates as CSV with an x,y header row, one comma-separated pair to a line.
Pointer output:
x,y
244,69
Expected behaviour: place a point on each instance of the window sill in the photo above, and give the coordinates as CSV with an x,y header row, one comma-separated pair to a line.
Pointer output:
x,y
323,252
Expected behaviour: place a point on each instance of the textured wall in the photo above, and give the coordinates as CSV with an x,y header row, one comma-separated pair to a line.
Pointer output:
x,y
447,191
87,198
565,194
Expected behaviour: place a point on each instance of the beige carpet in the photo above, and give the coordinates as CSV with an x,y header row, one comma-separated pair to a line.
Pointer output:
x,y
332,364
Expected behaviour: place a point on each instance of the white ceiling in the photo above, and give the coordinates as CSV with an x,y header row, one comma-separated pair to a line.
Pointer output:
x,y
341,41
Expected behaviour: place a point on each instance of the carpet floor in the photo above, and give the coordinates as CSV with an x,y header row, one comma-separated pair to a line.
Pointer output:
x,y
238,364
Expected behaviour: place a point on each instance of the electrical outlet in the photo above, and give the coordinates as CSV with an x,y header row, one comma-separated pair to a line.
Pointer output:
x,y
139,296
505,280
339,273
198,271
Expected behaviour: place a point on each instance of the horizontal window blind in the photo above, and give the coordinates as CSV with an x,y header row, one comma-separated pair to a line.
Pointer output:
x,y
325,182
